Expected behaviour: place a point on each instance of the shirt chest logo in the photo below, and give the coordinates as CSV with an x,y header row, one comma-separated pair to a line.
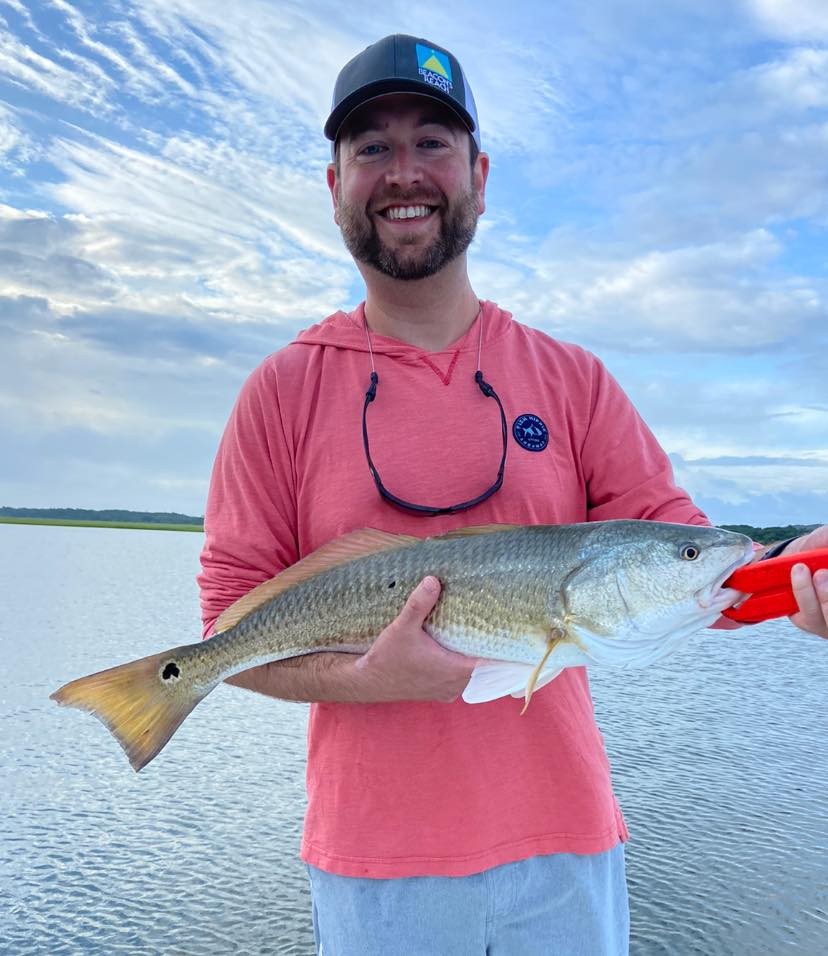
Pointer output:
x,y
530,432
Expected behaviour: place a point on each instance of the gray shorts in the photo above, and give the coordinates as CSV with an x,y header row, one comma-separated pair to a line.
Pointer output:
x,y
564,904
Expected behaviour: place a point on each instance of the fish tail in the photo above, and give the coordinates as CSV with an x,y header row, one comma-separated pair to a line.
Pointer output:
x,y
142,703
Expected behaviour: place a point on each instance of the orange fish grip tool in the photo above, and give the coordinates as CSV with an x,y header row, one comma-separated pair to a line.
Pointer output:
x,y
769,585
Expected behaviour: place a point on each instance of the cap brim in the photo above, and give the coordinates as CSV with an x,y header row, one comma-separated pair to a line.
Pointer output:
x,y
382,88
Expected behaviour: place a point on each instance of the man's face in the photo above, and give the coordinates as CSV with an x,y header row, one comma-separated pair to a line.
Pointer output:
x,y
405,195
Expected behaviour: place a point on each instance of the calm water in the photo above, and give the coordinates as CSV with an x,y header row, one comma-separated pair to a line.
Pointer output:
x,y
720,763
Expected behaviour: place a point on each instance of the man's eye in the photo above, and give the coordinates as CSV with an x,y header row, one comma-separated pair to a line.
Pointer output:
x,y
432,143
372,149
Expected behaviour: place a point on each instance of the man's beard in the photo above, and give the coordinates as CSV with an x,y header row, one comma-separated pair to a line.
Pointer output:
x,y
457,227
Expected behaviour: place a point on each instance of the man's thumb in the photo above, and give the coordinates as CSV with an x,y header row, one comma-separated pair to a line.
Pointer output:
x,y
420,602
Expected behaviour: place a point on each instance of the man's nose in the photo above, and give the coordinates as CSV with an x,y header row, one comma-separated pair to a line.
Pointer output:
x,y
404,169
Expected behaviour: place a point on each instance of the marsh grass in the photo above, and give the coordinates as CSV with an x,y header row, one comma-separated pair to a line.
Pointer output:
x,y
78,523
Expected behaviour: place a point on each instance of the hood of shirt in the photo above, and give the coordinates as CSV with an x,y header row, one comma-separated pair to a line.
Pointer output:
x,y
347,330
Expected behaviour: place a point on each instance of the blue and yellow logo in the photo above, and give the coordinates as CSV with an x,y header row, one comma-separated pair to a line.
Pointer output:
x,y
434,67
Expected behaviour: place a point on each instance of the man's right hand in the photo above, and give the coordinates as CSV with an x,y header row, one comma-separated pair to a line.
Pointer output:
x,y
403,663
406,663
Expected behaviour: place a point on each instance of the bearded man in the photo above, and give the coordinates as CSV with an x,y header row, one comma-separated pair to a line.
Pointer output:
x,y
435,827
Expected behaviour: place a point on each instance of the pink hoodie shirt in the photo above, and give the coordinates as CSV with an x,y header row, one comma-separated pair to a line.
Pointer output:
x,y
410,789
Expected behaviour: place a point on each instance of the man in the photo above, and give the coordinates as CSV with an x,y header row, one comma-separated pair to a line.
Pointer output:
x,y
433,826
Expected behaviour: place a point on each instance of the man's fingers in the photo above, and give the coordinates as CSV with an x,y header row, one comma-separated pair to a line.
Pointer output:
x,y
812,597
420,603
821,588
803,591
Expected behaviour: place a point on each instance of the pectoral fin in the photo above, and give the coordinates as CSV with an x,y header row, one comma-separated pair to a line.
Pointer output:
x,y
551,644
546,676
493,679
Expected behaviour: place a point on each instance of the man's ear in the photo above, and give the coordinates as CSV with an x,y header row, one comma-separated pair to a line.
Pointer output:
x,y
333,186
480,175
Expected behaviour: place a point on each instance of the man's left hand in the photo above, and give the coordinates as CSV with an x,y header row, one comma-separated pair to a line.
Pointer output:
x,y
810,590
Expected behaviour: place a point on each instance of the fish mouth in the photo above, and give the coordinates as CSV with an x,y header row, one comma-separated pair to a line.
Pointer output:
x,y
715,597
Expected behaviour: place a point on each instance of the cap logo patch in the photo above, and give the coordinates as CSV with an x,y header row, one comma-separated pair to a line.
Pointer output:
x,y
434,67
530,432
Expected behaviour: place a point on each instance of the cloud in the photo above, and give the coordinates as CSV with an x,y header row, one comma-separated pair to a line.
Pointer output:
x,y
22,312
17,148
157,337
78,82
55,274
770,493
791,19
799,81
752,461
231,236
707,298
268,64
705,414
689,151
79,466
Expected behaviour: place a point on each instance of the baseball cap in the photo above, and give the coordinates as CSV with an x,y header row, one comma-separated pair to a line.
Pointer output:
x,y
402,64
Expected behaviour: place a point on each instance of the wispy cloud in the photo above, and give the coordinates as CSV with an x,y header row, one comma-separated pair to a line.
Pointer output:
x,y
75,81
16,147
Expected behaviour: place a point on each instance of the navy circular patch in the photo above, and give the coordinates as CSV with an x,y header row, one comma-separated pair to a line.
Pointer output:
x,y
530,432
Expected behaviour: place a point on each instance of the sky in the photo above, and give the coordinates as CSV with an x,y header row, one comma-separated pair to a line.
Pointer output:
x,y
658,194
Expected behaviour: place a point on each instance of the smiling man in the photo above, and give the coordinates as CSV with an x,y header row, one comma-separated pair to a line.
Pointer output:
x,y
435,827
407,228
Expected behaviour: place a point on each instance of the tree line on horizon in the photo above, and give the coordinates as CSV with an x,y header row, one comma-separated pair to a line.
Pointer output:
x,y
762,535
771,534
111,514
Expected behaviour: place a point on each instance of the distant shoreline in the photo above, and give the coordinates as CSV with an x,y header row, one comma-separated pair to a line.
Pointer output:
x,y
172,521
81,523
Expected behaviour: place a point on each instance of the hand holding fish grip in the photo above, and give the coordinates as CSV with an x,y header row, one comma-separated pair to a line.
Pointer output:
x,y
769,585
406,663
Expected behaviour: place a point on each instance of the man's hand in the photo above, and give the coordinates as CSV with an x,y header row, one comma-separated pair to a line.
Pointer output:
x,y
810,590
406,663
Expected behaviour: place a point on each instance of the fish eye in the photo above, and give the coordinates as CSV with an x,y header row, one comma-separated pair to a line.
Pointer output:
x,y
689,552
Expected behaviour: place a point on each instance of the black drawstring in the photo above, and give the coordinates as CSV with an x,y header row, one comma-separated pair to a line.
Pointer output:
x,y
432,510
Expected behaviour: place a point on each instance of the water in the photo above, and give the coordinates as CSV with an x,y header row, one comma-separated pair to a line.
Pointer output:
x,y
719,758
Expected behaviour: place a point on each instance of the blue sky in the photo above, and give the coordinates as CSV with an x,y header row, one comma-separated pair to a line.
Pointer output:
x,y
658,194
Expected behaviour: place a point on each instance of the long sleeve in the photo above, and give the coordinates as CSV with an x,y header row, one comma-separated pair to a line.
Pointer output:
x,y
250,517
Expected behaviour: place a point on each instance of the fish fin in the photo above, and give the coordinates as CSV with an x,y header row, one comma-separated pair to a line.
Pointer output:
x,y
493,679
546,676
139,707
356,544
566,655
478,529
551,644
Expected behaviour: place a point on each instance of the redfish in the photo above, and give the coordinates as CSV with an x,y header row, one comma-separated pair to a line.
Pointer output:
x,y
525,602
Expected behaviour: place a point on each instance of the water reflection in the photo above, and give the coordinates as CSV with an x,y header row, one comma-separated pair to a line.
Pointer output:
x,y
719,760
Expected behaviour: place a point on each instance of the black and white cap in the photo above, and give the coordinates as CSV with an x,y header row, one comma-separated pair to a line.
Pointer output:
x,y
402,64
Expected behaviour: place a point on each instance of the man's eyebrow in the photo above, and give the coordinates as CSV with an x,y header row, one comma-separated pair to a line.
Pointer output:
x,y
437,120
358,127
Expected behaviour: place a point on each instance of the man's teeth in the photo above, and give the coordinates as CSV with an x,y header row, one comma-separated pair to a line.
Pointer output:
x,y
407,212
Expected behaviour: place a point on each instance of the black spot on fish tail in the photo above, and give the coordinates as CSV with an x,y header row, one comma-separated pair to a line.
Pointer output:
x,y
136,701
392,584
